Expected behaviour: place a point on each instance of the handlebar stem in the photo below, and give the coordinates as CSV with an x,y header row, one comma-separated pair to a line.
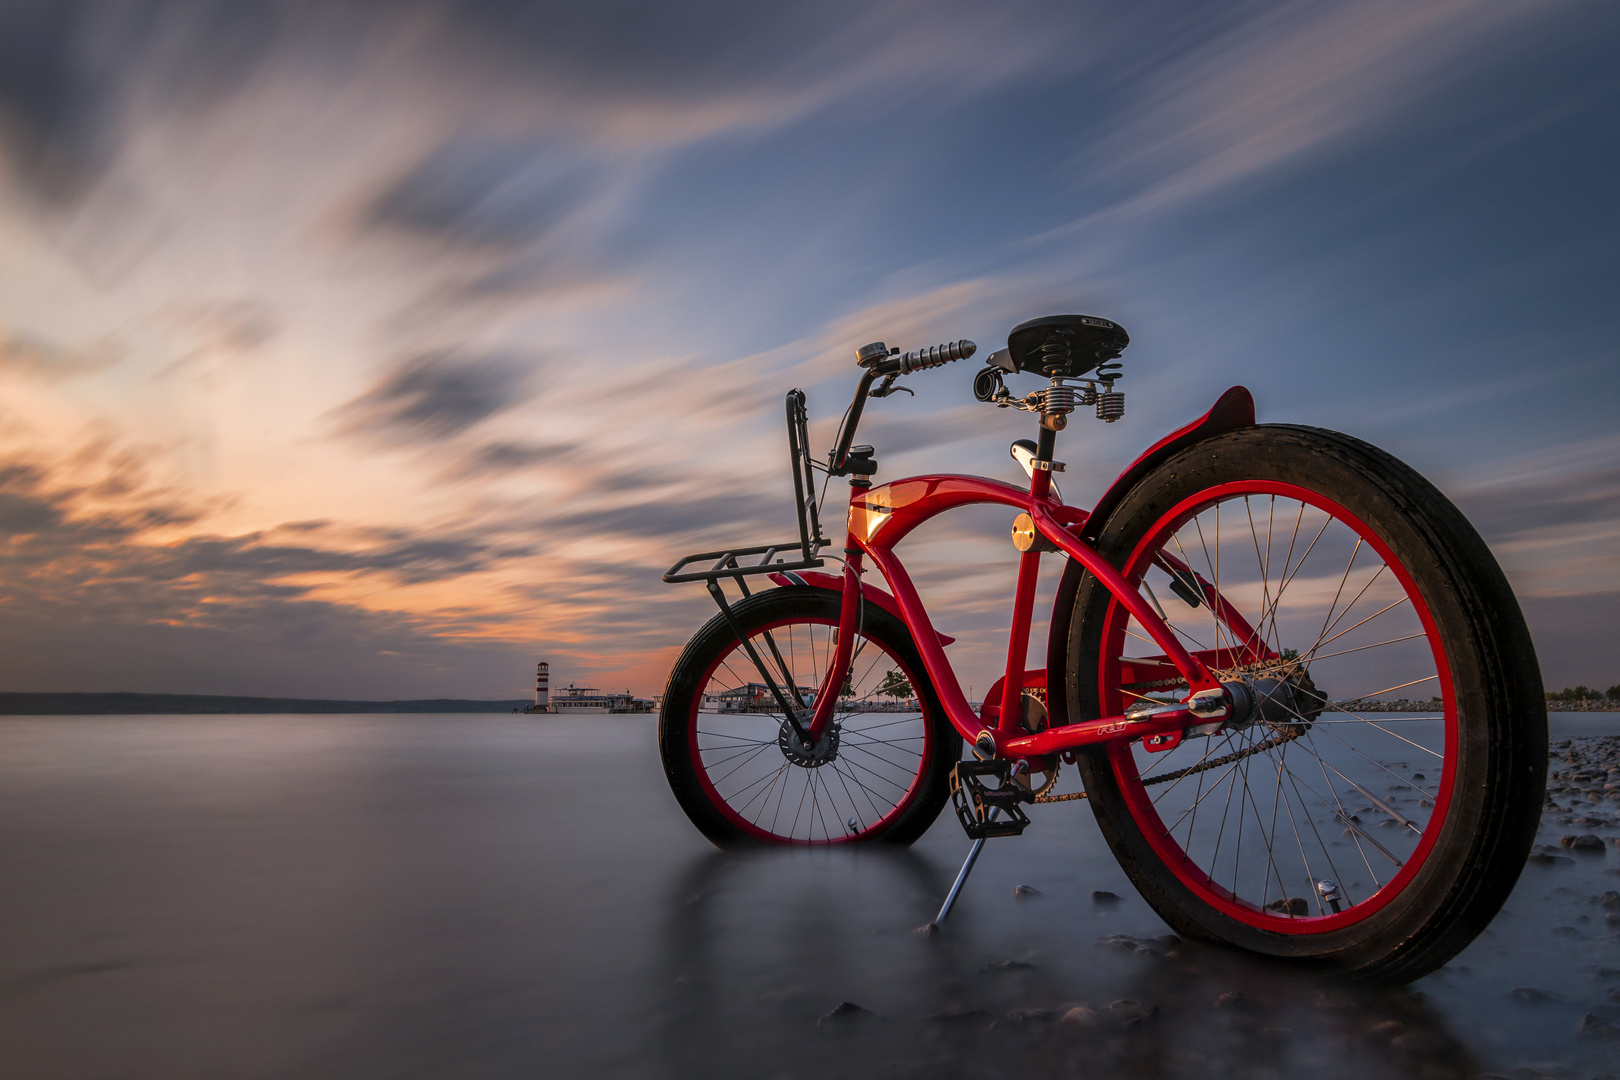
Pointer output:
x,y
846,435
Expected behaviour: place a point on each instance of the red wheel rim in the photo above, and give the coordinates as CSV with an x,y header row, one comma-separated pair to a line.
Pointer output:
x,y
873,779
1189,856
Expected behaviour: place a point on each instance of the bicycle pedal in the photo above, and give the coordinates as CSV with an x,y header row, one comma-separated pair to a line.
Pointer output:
x,y
984,811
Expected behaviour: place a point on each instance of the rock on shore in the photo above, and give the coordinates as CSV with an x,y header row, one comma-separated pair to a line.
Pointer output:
x,y
1583,782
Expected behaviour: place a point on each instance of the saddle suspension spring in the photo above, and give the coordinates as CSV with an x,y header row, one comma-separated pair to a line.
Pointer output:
x,y
1057,351
1057,400
1110,402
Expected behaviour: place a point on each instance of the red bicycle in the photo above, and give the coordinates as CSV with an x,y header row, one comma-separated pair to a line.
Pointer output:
x,y
1236,618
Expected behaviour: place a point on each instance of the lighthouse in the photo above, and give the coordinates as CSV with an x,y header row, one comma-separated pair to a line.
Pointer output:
x,y
542,687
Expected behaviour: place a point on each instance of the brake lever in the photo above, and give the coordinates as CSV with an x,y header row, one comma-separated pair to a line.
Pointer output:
x,y
888,387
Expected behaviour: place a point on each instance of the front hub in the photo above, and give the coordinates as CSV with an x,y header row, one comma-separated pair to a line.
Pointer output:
x,y
825,750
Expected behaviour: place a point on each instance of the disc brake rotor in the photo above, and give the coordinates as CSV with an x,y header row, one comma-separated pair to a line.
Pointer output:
x,y
814,758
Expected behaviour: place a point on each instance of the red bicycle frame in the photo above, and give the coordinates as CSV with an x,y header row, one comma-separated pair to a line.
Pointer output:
x,y
880,517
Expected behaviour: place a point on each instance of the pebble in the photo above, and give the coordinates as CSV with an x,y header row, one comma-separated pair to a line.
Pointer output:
x,y
1103,896
1026,1017
1584,842
1024,891
1230,999
1595,1025
1163,945
847,1015
1079,1017
998,966
1296,905
1529,995
1610,901
1127,1013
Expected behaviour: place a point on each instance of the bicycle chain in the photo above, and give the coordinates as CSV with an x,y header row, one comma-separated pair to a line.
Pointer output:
x,y
1203,766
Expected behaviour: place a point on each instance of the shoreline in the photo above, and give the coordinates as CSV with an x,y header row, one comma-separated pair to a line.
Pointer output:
x,y
1433,704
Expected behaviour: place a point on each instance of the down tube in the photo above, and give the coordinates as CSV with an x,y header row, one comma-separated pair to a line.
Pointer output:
x,y
923,635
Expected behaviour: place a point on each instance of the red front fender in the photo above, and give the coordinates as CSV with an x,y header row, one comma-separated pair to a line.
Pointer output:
x,y
835,583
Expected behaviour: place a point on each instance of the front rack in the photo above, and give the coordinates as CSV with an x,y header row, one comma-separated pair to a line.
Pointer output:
x,y
729,563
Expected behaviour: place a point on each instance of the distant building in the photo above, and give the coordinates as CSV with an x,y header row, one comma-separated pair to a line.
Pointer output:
x,y
588,699
581,699
751,697
542,687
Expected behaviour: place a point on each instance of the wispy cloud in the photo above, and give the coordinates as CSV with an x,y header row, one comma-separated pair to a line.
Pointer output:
x,y
28,355
561,262
1553,516
435,397
1241,99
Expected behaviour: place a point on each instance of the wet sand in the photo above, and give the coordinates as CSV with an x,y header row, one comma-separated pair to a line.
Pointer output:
x,y
486,896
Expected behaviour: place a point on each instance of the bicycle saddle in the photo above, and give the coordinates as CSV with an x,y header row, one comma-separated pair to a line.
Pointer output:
x,y
1064,346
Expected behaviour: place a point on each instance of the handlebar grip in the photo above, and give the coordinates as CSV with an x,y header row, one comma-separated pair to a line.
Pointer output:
x,y
934,356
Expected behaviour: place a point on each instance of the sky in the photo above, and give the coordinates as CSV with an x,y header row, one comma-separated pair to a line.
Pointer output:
x,y
380,350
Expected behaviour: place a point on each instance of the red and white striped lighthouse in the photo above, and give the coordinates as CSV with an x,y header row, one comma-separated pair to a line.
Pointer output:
x,y
542,686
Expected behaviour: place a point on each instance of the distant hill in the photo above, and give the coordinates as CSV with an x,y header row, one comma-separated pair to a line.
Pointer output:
x,y
147,704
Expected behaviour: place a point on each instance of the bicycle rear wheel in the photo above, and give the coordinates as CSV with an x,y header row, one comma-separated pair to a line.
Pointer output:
x,y
1375,808
880,774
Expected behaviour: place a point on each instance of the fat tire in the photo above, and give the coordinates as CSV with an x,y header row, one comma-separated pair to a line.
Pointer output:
x,y
1501,762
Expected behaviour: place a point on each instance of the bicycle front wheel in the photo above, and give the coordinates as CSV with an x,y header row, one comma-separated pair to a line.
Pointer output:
x,y
881,773
1374,808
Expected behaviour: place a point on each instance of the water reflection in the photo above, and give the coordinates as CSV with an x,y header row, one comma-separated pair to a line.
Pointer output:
x,y
802,964
362,897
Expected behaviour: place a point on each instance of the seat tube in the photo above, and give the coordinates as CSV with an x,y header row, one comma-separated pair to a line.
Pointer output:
x,y
1029,570
1012,687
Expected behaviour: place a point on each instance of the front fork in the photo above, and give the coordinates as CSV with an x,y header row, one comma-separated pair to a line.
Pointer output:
x,y
849,622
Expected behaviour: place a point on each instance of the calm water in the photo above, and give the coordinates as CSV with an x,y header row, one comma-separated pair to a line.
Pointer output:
x,y
487,895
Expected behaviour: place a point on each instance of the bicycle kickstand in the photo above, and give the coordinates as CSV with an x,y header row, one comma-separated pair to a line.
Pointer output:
x,y
984,812
932,928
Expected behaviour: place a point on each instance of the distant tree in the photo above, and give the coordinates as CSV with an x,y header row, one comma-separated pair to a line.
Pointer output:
x,y
895,685
1584,693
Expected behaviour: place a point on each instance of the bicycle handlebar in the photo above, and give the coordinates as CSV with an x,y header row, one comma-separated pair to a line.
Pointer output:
x,y
878,360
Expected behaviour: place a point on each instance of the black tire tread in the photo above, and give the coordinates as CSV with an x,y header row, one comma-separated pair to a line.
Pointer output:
x,y
1484,627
